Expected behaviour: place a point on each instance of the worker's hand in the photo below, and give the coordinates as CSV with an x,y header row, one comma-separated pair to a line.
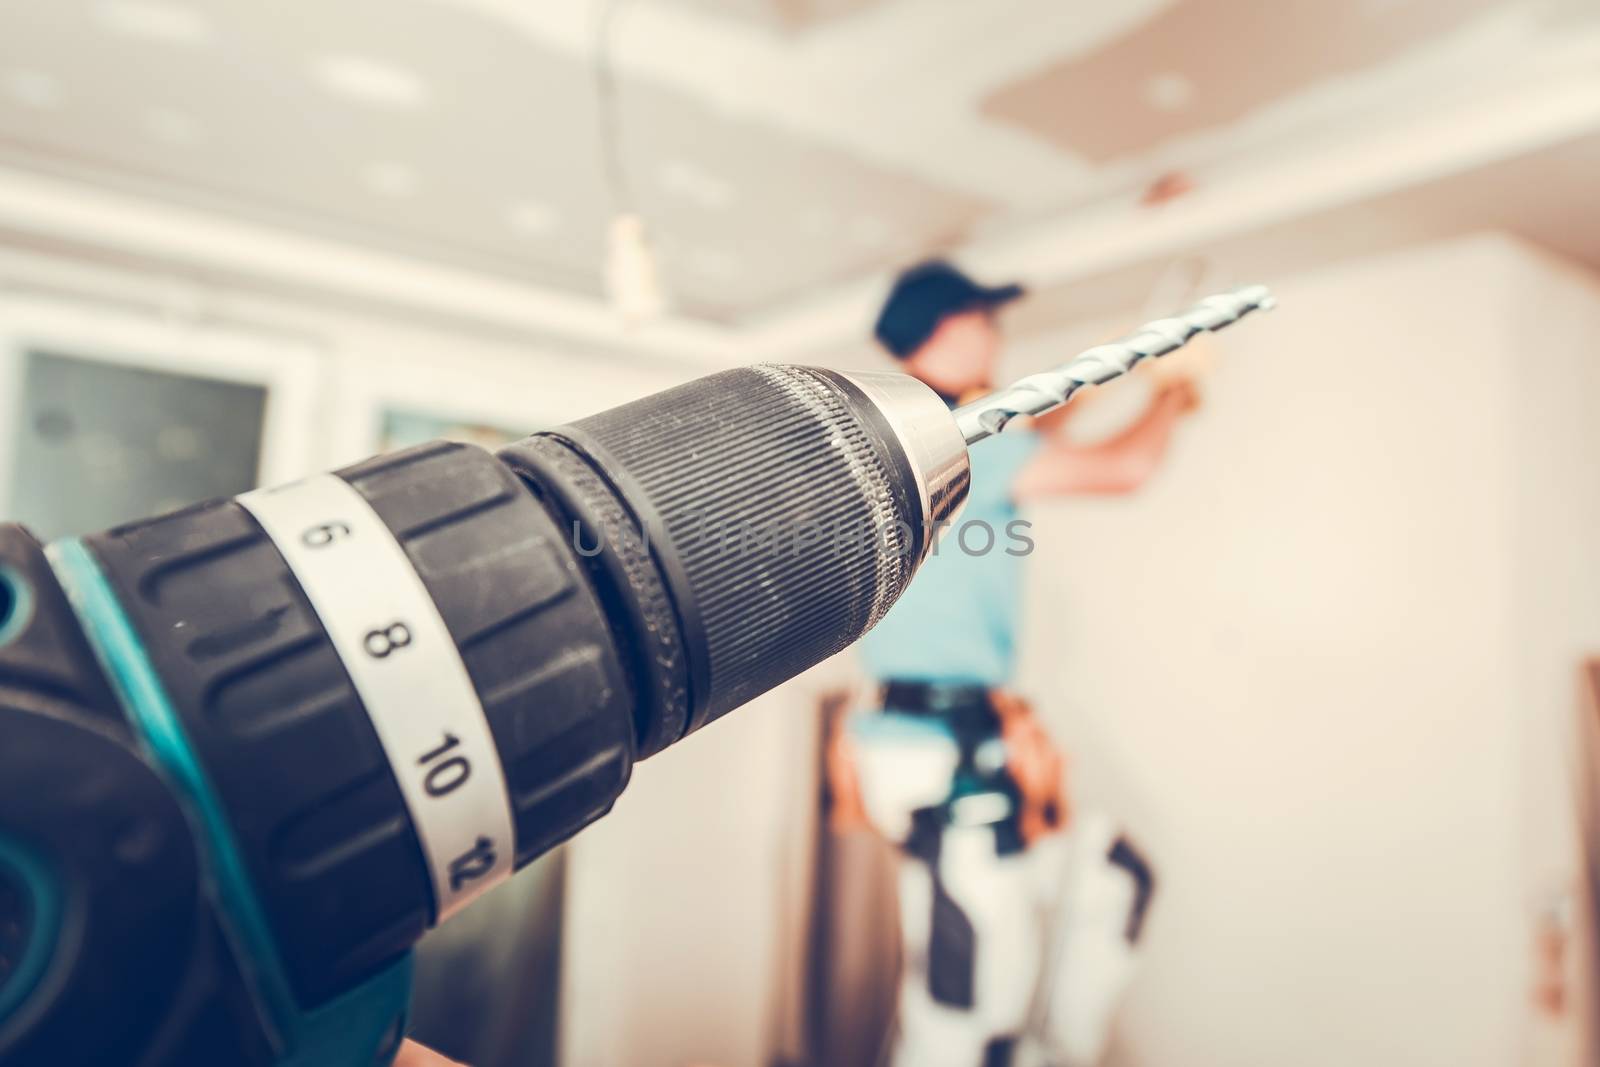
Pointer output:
x,y
1183,369
1183,394
846,810
1035,765
414,1055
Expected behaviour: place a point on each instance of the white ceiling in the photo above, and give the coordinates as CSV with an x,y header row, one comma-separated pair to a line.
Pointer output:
x,y
776,147
1539,196
783,15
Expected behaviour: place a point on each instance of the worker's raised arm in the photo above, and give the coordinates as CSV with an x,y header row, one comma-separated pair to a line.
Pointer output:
x,y
1118,465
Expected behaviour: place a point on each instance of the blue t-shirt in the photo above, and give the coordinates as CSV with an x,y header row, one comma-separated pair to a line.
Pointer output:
x,y
957,621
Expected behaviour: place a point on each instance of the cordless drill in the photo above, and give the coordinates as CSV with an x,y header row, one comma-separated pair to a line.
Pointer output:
x,y
250,751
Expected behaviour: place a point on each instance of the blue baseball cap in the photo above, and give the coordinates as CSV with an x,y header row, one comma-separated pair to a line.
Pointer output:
x,y
927,294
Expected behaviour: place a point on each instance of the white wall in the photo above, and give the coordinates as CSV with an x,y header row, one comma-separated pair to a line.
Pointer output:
x,y
1557,602
681,902
1315,664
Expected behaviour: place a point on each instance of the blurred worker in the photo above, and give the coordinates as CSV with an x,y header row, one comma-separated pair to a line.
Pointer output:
x,y
953,768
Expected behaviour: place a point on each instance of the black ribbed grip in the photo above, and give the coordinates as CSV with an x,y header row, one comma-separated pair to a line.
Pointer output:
x,y
781,519
528,629
612,546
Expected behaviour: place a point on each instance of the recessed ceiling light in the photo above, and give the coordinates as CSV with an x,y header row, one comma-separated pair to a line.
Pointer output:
x,y
714,263
697,184
391,179
369,81
869,231
818,220
155,20
173,127
33,88
1170,91
532,218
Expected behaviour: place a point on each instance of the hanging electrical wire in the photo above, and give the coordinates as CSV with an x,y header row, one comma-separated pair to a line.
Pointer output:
x,y
632,277
607,101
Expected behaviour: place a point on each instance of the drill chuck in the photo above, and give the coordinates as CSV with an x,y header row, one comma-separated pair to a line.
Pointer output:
x,y
788,508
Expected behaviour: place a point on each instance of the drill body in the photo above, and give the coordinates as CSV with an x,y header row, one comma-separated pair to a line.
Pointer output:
x,y
254,749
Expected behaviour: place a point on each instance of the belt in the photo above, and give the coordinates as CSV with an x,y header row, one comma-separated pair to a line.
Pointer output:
x,y
935,698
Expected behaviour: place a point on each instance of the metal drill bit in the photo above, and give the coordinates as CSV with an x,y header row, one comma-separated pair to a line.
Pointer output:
x,y
1047,390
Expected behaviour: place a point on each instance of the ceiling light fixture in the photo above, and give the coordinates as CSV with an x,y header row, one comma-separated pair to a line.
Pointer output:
x,y
818,220
155,20
869,232
714,263
173,127
632,278
691,182
633,282
391,179
33,88
532,218
369,81
1170,91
